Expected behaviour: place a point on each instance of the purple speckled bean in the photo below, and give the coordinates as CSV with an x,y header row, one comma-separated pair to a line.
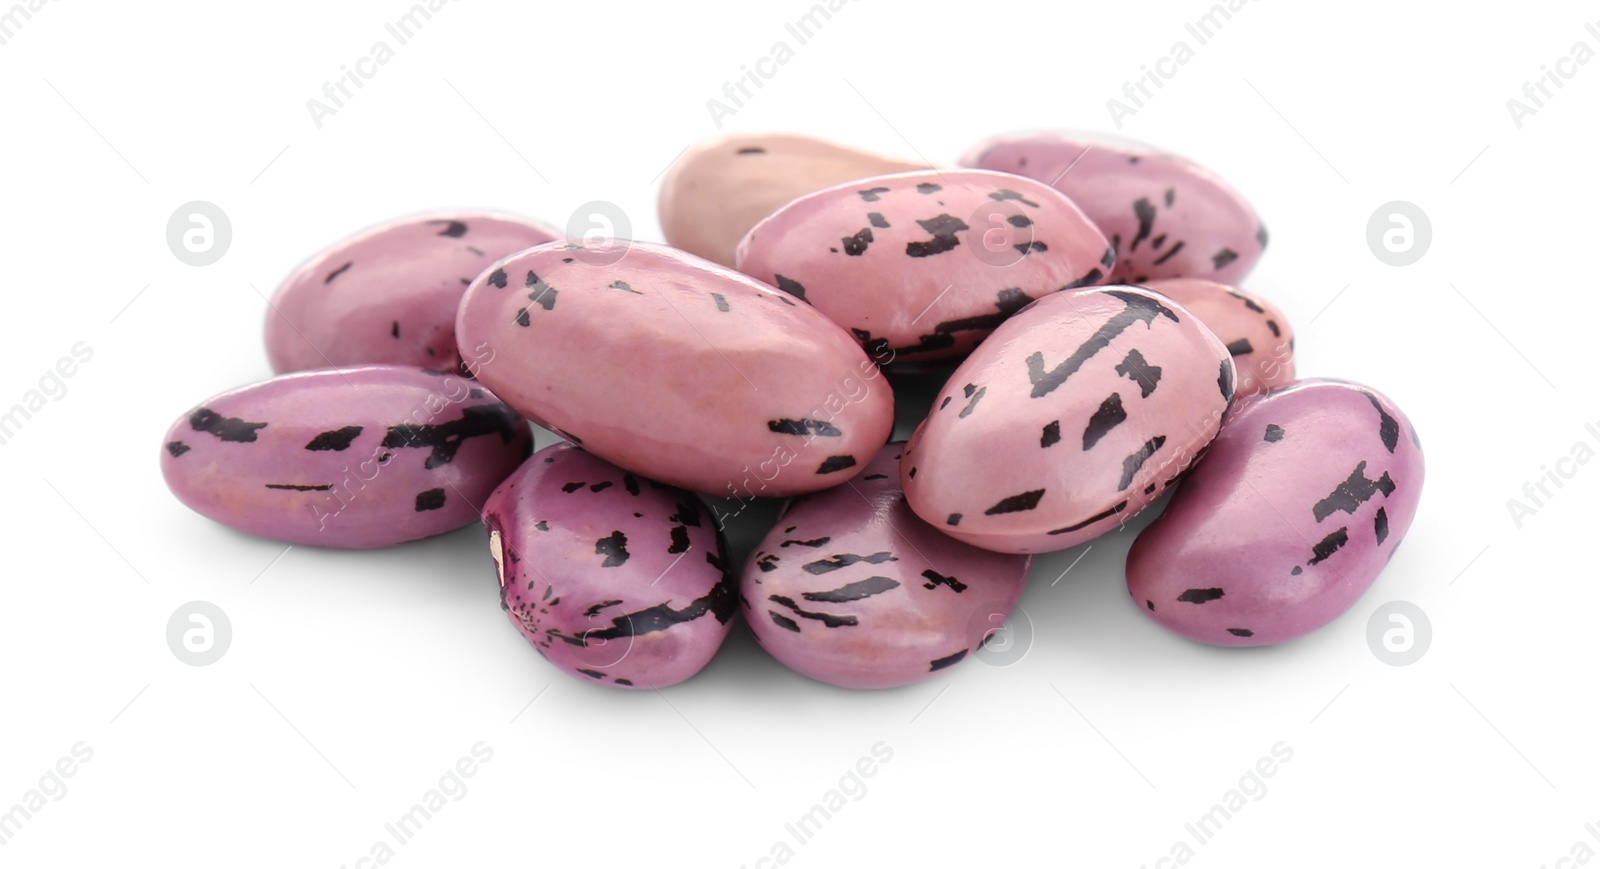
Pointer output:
x,y
1289,519
678,369
852,589
389,295
1069,420
926,264
1167,216
616,579
352,459
1255,331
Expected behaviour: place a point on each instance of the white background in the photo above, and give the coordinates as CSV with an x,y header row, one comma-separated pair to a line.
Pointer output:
x,y
356,680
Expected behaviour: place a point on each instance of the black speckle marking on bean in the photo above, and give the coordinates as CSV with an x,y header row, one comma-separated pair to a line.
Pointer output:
x,y
177,448
497,278
935,579
1222,257
1145,213
687,513
1135,368
1007,302
1380,525
299,487
872,194
926,188
593,611
1151,605
1020,221
542,525
1388,426
1140,308
394,329
947,661
828,565
1240,347
784,621
1248,302
1200,595
1297,571
593,674
680,540
722,302
614,547
834,464
793,288
1273,325
1261,236
943,229
1327,546
1019,503
631,483
1241,632
1106,417
624,286
543,294
1031,247
1169,254
1225,379
1051,435
1349,495
573,487
828,620
337,272
1132,464
955,519
1274,434
856,245
814,543
858,590
432,499
768,563
445,439
743,151
871,477
337,440
802,427
1012,196
877,220
229,429
1104,514
975,395
601,486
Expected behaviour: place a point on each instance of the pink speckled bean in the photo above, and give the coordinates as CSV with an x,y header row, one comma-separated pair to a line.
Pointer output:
x,y
678,369
1255,331
1070,419
1295,510
852,589
389,295
352,459
1167,216
923,265
615,579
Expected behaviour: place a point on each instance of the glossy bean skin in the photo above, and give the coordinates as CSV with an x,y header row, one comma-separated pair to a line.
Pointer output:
x,y
1068,421
357,458
851,588
1167,216
678,369
1255,332
1290,518
388,296
724,185
616,579
923,265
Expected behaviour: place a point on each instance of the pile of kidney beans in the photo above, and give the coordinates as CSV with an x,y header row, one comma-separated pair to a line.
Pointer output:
x,y
1081,296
